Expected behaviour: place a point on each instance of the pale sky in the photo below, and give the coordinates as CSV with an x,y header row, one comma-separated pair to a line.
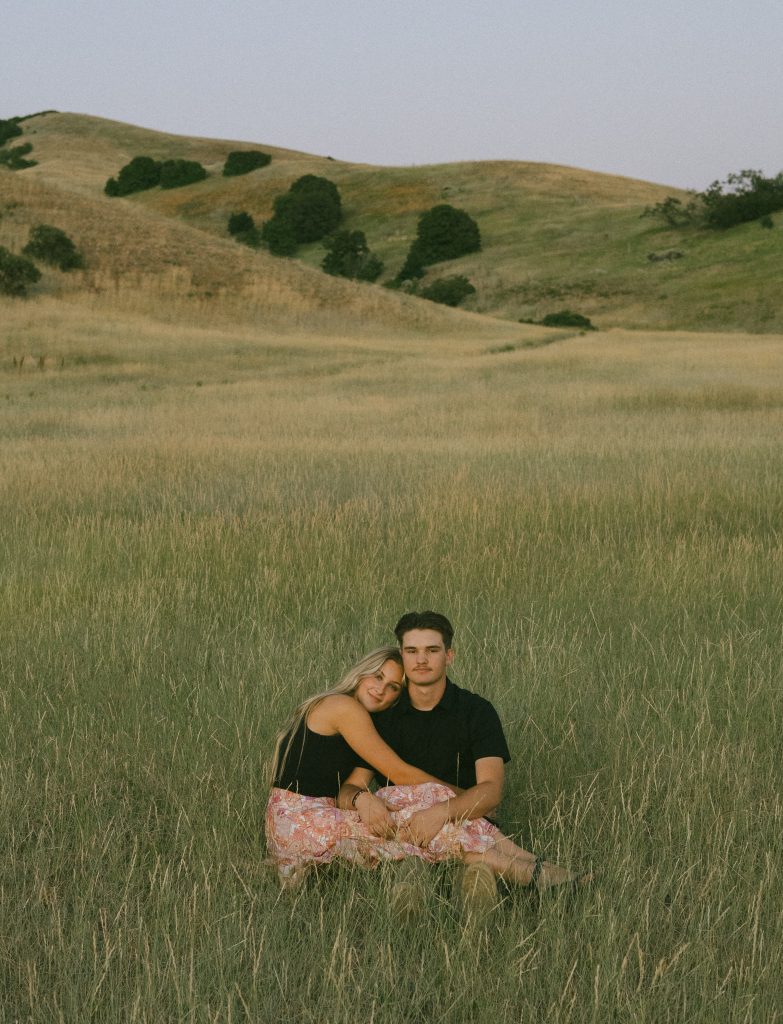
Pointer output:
x,y
679,92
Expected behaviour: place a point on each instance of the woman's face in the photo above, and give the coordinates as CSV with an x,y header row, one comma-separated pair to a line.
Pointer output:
x,y
380,691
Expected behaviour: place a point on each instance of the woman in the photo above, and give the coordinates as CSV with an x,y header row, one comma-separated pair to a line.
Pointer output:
x,y
327,737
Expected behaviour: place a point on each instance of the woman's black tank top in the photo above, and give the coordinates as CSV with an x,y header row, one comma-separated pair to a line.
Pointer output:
x,y
316,765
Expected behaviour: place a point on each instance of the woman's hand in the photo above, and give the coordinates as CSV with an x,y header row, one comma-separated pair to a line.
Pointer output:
x,y
375,815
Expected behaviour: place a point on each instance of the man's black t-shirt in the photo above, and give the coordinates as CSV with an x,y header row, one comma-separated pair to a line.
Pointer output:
x,y
448,740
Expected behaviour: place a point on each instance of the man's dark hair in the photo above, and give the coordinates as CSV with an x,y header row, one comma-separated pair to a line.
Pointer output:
x,y
425,620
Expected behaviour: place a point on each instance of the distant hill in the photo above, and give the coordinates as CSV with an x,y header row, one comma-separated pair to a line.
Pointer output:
x,y
553,237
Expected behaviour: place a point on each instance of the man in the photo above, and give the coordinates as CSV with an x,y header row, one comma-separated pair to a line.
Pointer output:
x,y
449,732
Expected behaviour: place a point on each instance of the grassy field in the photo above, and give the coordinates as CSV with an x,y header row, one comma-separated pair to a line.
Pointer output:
x,y
202,523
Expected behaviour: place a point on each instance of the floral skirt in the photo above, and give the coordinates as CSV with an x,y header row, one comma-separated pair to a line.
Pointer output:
x,y
304,830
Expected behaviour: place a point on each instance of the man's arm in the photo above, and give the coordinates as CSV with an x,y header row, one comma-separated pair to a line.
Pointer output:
x,y
475,802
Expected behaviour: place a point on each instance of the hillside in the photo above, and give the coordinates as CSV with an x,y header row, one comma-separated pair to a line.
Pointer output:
x,y
553,237
153,261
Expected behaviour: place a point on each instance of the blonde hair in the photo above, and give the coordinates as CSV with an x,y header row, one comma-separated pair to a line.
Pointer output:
x,y
366,666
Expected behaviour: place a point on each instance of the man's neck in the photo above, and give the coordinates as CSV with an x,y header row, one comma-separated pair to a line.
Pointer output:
x,y
425,698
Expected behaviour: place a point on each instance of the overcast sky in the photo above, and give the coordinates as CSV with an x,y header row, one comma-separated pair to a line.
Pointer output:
x,y
679,92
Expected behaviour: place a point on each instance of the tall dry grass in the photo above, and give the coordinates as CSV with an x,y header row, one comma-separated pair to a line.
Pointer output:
x,y
201,525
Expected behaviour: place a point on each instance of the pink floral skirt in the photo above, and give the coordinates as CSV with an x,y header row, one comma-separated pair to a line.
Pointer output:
x,y
304,830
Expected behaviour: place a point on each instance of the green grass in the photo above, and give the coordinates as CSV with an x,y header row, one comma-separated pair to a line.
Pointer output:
x,y
201,526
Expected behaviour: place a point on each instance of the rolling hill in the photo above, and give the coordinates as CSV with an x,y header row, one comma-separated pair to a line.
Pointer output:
x,y
553,237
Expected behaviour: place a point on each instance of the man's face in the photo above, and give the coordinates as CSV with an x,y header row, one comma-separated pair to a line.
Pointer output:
x,y
425,657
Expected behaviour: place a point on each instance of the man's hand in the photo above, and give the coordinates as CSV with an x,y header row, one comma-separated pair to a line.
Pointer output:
x,y
424,825
375,815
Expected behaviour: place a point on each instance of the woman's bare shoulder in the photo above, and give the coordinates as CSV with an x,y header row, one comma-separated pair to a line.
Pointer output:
x,y
338,700
340,704
331,710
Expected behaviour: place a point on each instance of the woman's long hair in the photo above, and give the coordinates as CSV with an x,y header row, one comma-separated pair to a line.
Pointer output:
x,y
367,666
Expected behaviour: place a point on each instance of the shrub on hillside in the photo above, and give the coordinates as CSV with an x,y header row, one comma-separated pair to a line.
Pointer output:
x,y
51,245
252,238
445,233
413,268
9,129
567,318
239,222
242,227
177,173
310,210
279,237
14,157
140,174
244,161
16,273
674,212
312,206
348,255
448,290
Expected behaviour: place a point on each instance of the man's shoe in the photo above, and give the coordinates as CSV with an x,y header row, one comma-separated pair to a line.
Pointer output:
x,y
408,894
477,890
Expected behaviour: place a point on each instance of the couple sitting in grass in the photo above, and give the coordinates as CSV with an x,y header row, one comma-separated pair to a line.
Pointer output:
x,y
439,753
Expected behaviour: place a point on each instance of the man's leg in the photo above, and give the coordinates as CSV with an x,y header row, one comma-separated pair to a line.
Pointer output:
x,y
476,890
408,888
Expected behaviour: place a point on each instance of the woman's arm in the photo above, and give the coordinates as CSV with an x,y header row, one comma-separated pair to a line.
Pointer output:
x,y
355,795
349,718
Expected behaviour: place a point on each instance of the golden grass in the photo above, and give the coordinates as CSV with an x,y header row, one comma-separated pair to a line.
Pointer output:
x,y
81,151
204,522
168,268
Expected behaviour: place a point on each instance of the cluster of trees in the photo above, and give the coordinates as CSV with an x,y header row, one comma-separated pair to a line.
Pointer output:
x,y
443,233
16,273
742,197
311,211
348,255
47,244
9,129
14,157
52,245
143,173
243,161
242,227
